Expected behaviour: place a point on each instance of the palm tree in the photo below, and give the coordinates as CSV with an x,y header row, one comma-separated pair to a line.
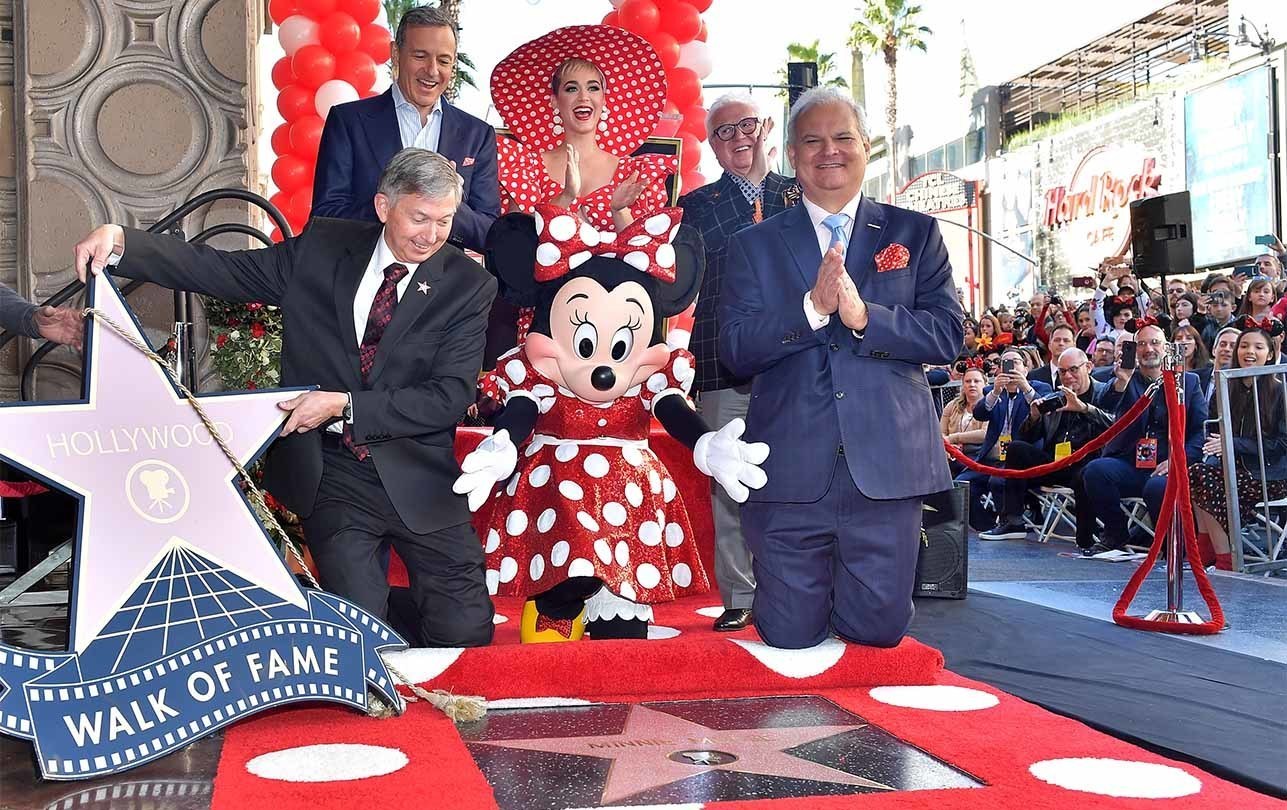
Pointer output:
x,y
828,73
887,27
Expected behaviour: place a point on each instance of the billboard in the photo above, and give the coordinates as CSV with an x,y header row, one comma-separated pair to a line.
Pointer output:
x,y
955,203
1228,166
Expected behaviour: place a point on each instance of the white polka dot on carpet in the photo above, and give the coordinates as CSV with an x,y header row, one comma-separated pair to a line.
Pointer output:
x,y
935,698
335,762
1119,778
804,663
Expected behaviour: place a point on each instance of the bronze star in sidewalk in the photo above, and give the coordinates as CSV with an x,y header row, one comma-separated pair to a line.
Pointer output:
x,y
655,749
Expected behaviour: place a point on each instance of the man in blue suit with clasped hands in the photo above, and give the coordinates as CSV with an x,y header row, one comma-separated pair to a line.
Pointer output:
x,y
834,305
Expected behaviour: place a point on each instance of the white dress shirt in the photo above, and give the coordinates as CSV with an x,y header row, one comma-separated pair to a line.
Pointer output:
x,y
412,132
816,216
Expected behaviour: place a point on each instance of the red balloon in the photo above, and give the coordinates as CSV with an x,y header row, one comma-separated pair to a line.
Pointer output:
x,y
301,203
318,9
692,154
667,48
374,42
340,33
279,10
668,124
694,123
640,16
294,102
281,140
364,11
283,73
684,87
700,5
313,65
701,35
680,20
611,18
357,68
276,235
692,180
305,136
367,93
291,173
279,201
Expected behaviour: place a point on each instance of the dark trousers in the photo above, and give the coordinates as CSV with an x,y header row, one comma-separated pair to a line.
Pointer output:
x,y
844,563
1010,492
1108,480
352,527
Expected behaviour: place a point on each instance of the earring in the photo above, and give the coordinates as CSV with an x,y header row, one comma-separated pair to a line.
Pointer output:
x,y
558,123
603,120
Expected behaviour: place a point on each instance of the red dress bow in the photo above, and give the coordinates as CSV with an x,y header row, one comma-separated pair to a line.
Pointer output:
x,y
565,243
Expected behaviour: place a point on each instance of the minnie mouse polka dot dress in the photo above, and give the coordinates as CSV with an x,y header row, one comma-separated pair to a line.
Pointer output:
x,y
589,498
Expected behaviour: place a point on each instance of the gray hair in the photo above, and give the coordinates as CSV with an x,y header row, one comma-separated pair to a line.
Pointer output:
x,y
421,172
424,16
736,97
817,96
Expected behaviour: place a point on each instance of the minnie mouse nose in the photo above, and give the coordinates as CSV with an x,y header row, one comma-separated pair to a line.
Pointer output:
x,y
603,379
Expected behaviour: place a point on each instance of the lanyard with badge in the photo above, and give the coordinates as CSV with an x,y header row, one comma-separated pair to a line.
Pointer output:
x,y
1146,447
1003,441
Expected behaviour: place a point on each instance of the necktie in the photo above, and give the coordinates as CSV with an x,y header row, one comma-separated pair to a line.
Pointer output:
x,y
837,223
386,300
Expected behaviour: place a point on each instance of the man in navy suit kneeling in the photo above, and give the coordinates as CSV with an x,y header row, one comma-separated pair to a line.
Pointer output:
x,y
834,306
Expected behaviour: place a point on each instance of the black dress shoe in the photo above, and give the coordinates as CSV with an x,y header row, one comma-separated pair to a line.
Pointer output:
x,y
733,619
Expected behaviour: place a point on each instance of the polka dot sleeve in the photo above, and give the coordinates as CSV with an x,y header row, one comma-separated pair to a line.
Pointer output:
x,y
515,377
676,377
653,170
523,176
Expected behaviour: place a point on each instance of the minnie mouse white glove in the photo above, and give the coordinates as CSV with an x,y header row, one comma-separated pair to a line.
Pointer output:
x,y
493,460
722,455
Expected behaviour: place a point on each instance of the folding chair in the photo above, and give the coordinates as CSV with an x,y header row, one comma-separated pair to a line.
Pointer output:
x,y
1136,512
1057,510
1272,531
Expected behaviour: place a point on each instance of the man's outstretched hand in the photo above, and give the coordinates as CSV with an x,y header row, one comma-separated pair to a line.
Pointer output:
x,y
94,250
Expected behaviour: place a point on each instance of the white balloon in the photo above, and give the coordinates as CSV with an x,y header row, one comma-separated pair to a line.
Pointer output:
x,y
616,3
297,31
336,91
696,56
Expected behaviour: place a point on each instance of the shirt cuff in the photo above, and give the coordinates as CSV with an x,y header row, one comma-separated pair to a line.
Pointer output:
x,y
816,321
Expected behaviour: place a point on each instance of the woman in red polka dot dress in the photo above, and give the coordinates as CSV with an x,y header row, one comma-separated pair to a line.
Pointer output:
x,y
578,102
587,521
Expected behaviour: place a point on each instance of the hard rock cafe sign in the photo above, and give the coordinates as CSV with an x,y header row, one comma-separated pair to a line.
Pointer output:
x,y
1091,214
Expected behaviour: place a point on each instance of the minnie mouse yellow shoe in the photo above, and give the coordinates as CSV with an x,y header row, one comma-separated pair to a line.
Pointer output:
x,y
537,628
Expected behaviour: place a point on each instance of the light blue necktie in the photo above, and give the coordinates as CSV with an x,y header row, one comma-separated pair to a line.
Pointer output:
x,y
837,224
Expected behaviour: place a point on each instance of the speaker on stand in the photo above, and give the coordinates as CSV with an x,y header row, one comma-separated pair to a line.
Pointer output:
x,y
1162,236
942,568
801,76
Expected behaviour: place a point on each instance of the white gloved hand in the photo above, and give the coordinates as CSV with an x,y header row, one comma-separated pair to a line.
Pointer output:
x,y
722,455
494,460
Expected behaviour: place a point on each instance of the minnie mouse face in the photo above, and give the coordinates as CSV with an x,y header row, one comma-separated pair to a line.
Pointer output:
x,y
598,341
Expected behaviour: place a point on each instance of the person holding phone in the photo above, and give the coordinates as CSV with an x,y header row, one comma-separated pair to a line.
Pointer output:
x,y
1135,463
1254,347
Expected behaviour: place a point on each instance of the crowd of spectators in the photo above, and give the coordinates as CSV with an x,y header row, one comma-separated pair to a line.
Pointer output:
x,y
1041,381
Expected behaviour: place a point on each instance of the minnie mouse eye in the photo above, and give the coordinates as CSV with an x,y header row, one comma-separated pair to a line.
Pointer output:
x,y
622,342
586,340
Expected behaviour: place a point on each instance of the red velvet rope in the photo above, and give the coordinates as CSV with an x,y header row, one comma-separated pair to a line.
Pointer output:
x,y
20,489
1093,446
1177,495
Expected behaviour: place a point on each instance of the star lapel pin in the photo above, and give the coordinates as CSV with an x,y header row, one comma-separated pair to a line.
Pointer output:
x,y
422,287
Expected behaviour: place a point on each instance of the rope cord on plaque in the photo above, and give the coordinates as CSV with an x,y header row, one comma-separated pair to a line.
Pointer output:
x,y
460,708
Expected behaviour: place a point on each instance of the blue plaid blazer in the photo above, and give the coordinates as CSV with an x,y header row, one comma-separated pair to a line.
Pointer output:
x,y
719,210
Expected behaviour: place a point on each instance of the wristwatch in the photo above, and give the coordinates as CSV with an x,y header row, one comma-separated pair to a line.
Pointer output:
x,y
347,413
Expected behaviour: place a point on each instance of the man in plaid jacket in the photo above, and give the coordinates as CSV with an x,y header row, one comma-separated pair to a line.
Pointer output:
x,y
745,194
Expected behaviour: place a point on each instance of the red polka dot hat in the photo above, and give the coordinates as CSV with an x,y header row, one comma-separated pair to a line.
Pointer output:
x,y
634,79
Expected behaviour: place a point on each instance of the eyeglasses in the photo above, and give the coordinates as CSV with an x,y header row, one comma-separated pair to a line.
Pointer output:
x,y
747,126
1153,343
1071,369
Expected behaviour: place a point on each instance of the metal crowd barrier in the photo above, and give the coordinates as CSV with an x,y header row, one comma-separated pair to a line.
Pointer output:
x,y
945,393
1261,548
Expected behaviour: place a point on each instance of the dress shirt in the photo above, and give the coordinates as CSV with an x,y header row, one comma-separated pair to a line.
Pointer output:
x,y
751,191
816,215
413,133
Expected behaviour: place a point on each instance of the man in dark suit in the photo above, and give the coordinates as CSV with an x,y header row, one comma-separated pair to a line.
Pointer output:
x,y
1062,336
388,323
745,194
834,306
361,136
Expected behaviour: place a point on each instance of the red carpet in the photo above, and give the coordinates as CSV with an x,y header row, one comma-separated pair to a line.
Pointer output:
x,y
997,744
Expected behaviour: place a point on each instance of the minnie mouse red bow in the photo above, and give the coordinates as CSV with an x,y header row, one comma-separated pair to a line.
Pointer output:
x,y
565,243
1271,326
1139,323
974,362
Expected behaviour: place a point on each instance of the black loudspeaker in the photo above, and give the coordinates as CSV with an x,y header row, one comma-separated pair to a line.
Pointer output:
x,y
941,570
800,77
1162,235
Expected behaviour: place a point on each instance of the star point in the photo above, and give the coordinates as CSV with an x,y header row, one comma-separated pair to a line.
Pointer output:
x,y
423,287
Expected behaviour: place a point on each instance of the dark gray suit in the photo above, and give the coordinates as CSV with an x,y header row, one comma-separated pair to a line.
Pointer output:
x,y
17,314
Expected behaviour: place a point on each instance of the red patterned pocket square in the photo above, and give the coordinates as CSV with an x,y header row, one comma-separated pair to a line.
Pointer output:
x,y
469,161
893,257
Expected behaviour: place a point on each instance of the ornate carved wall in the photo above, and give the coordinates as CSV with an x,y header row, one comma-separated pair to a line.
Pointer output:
x,y
126,109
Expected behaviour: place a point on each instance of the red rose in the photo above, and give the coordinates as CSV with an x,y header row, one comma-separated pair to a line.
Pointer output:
x,y
221,340
250,385
233,321
257,330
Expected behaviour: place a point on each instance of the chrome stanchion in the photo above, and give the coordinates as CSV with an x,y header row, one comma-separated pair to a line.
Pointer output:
x,y
1173,358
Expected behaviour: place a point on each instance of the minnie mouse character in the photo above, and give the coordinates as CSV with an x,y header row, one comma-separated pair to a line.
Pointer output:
x,y
590,523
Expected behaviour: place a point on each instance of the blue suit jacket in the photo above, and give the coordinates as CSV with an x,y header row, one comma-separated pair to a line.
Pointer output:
x,y
816,391
1153,422
359,139
1019,410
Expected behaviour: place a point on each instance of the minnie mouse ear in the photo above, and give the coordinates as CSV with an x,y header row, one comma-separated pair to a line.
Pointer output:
x,y
510,252
690,264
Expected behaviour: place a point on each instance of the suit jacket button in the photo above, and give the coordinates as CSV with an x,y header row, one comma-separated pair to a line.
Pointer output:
x,y
840,395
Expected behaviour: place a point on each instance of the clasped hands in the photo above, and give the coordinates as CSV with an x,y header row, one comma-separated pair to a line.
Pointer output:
x,y
834,291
